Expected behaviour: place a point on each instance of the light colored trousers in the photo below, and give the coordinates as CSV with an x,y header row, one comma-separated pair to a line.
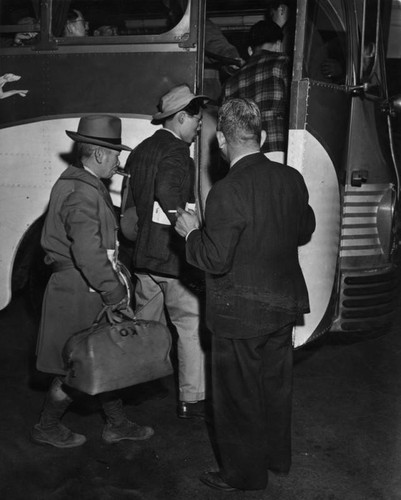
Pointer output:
x,y
152,293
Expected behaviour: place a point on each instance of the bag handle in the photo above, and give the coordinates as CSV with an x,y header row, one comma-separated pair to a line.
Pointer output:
x,y
112,316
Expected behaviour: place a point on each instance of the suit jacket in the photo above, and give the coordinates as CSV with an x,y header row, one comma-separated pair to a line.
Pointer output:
x,y
264,79
255,218
161,170
80,227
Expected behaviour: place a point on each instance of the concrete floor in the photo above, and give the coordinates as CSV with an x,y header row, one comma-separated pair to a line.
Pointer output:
x,y
346,431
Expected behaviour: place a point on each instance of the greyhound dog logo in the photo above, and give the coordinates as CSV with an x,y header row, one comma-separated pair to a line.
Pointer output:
x,y
7,78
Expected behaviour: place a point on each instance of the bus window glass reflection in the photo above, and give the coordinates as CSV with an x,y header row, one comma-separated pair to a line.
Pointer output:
x,y
324,58
19,23
120,17
370,70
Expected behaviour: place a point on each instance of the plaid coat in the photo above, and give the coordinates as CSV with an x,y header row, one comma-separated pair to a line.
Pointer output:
x,y
264,79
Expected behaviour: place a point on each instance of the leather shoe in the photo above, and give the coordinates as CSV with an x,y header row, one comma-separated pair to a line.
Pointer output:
x,y
191,410
213,479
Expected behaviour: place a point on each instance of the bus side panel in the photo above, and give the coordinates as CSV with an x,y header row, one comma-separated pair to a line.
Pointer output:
x,y
316,145
33,156
74,84
64,85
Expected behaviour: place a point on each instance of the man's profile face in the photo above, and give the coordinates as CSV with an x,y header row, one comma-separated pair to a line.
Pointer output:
x,y
279,15
78,26
109,164
190,126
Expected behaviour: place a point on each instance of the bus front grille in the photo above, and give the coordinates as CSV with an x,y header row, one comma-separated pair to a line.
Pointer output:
x,y
366,301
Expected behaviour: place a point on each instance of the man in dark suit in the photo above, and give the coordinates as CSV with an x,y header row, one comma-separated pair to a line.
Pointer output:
x,y
255,219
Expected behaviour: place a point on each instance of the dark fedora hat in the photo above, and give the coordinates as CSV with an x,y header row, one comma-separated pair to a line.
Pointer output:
x,y
101,130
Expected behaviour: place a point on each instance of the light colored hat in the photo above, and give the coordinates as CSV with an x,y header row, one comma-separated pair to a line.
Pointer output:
x,y
175,100
101,130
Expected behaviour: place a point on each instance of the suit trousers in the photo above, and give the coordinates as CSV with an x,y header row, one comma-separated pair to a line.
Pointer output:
x,y
252,402
152,294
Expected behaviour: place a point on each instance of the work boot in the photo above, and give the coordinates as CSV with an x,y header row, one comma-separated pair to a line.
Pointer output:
x,y
118,427
50,430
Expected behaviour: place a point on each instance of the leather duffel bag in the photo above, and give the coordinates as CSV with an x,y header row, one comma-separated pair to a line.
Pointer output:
x,y
118,353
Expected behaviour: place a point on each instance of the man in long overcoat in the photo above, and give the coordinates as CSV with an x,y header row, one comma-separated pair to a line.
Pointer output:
x,y
79,239
255,219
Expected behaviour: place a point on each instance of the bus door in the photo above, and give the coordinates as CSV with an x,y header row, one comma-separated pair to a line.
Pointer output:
x,y
123,73
367,281
338,142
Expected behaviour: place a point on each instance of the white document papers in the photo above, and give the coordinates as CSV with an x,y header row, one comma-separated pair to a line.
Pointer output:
x,y
160,217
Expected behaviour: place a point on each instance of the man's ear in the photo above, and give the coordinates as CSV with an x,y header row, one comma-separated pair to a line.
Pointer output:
x,y
263,136
98,154
220,139
250,50
181,117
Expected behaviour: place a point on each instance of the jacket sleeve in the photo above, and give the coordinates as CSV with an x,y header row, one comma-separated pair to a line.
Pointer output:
x,y
172,176
212,249
80,215
217,43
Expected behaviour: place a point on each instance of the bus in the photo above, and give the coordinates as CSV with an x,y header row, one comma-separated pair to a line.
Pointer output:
x,y
340,128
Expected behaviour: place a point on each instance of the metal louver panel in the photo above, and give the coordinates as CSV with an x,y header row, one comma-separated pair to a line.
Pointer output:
x,y
359,231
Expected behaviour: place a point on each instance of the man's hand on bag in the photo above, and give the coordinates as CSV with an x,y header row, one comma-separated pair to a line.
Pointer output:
x,y
120,306
123,304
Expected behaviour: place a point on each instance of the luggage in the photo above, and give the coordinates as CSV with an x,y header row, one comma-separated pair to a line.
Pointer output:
x,y
117,353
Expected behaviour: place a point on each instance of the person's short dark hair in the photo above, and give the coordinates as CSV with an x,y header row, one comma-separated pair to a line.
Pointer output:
x,y
265,31
194,107
85,150
72,15
240,121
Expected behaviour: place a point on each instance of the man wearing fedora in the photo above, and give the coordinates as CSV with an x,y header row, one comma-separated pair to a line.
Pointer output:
x,y
162,179
79,239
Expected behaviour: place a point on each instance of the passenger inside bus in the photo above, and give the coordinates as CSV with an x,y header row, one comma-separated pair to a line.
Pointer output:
x,y
264,79
218,47
220,55
106,30
27,37
281,12
76,25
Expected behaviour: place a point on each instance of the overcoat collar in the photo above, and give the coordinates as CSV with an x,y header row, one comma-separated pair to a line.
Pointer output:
x,y
81,175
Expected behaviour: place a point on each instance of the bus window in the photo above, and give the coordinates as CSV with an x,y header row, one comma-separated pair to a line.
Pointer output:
x,y
19,23
324,57
111,18
371,71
